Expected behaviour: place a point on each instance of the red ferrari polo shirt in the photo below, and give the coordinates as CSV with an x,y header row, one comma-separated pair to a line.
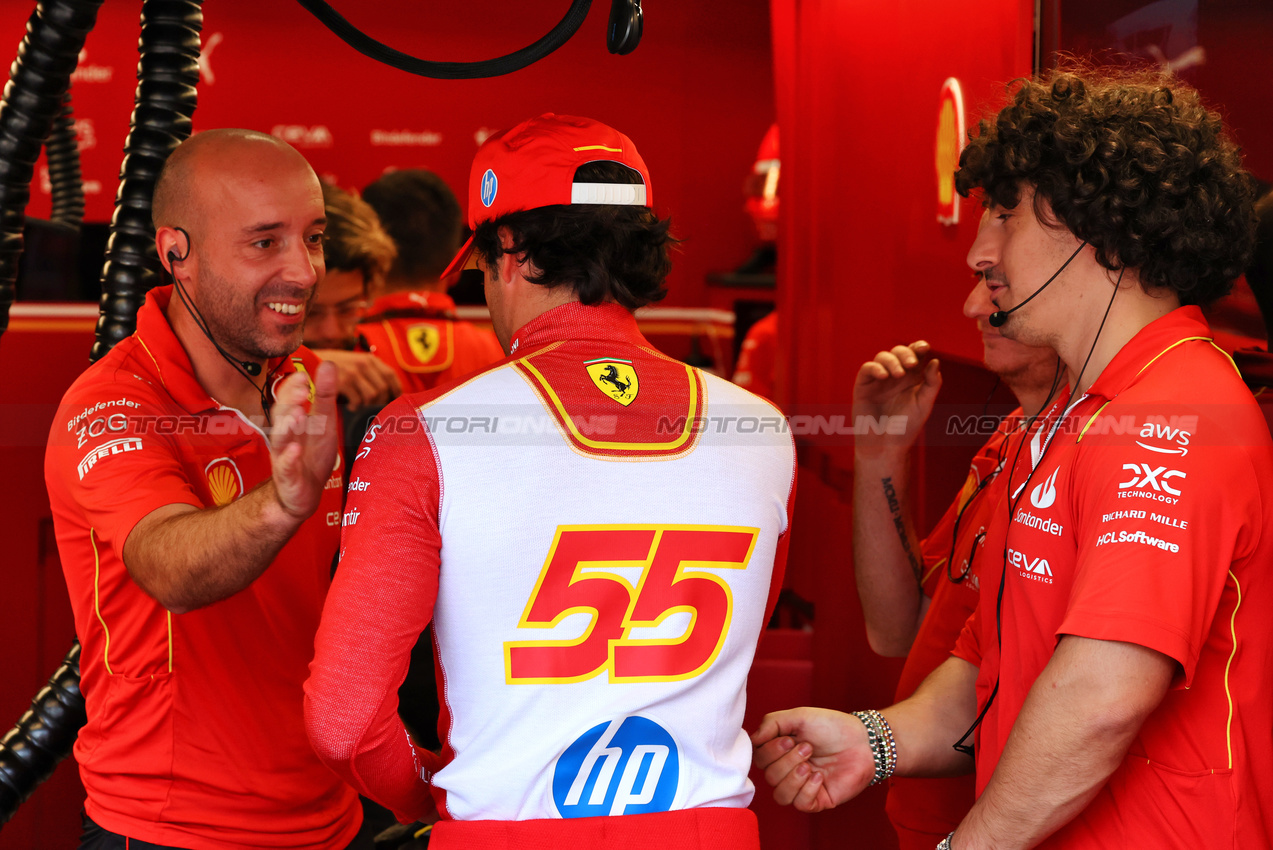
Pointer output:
x,y
757,357
417,335
1145,521
194,737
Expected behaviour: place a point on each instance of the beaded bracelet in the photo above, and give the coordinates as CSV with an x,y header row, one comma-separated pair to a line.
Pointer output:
x,y
879,736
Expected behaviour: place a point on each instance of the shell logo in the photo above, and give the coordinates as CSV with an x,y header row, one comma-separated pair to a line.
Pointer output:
x,y
224,481
950,144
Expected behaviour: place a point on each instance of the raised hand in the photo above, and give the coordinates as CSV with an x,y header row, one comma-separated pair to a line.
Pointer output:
x,y
363,379
303,445
896,383
814,758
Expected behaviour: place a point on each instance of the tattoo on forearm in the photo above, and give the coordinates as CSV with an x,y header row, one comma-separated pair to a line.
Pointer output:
x,y
895,510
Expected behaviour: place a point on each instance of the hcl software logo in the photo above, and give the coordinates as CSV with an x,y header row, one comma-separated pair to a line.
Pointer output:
x,y
621,767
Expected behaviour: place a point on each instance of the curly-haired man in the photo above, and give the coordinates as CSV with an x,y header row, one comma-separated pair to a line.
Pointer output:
x,y
597,558
1113,676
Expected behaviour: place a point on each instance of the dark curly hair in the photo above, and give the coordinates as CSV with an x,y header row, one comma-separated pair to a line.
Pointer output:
x,y
604,252
1131,161
422,215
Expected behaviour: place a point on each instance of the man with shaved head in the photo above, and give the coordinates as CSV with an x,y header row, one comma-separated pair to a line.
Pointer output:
x,y
196,492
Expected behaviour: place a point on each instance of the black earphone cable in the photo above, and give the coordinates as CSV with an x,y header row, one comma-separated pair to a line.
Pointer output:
x,y
202,324
1013,502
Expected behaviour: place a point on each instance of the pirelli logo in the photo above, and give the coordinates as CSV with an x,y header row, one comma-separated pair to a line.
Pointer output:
x,y
113,447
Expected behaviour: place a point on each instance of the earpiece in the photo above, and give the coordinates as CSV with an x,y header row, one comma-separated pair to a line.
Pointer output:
x,y
249,366
173,259
999,318
626,23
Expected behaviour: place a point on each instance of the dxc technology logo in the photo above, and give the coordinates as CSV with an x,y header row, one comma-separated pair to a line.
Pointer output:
x,y
621,767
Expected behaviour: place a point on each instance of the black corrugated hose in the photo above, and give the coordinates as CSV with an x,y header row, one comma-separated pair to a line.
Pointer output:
x,y
515,61
33,99
167,74
43,737
32,102
64,169
165,102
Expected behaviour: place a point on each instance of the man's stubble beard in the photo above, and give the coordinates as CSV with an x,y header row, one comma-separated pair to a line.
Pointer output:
x,y
235,320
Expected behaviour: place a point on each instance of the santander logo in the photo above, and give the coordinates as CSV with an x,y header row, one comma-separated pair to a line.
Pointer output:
x,y
1043,495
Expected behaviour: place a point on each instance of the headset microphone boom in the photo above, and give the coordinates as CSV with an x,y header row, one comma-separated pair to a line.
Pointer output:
x,y
999,317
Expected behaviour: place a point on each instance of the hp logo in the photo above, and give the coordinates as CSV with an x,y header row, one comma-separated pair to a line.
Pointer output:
x,y
621,767
490,185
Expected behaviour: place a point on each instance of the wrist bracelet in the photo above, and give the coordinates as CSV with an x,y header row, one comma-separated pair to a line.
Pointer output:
x,y
945,842
879,735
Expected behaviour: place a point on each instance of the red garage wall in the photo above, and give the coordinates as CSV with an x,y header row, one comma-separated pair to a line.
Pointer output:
x,y
864,264
696,97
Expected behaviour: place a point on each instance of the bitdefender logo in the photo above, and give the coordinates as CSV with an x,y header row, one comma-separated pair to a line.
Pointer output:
x,y
629,766
1043,495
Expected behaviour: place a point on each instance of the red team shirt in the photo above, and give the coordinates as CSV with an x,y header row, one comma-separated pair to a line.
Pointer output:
x,y
417,335
1146,521
757,358
597,569
925,810
195,737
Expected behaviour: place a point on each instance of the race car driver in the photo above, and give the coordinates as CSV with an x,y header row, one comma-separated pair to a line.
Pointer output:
x,y
597,554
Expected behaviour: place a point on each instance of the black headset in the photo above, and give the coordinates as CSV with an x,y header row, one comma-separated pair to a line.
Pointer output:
x,y
624,32
249,369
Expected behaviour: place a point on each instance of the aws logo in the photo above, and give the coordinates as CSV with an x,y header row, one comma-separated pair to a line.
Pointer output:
x,y
224,480
1168,432
629,766
616,378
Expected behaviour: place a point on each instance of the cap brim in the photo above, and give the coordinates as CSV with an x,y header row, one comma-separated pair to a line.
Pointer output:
x,y
463,260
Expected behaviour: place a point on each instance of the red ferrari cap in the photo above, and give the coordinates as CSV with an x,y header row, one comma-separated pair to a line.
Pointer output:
x,y
533,165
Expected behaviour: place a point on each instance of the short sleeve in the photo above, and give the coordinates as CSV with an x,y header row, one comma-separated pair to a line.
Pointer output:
x,y
107,456
968,644
1162,512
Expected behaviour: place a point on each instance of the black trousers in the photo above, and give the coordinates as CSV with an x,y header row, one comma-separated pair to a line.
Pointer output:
x,y
95,837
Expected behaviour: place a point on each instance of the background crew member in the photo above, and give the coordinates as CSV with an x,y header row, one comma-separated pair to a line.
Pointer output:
x,y
597,589
197,508
1126,704
411,326
358,254
916,596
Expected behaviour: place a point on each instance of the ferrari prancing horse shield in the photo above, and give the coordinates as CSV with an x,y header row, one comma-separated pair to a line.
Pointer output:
x,y
614,377
424,340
